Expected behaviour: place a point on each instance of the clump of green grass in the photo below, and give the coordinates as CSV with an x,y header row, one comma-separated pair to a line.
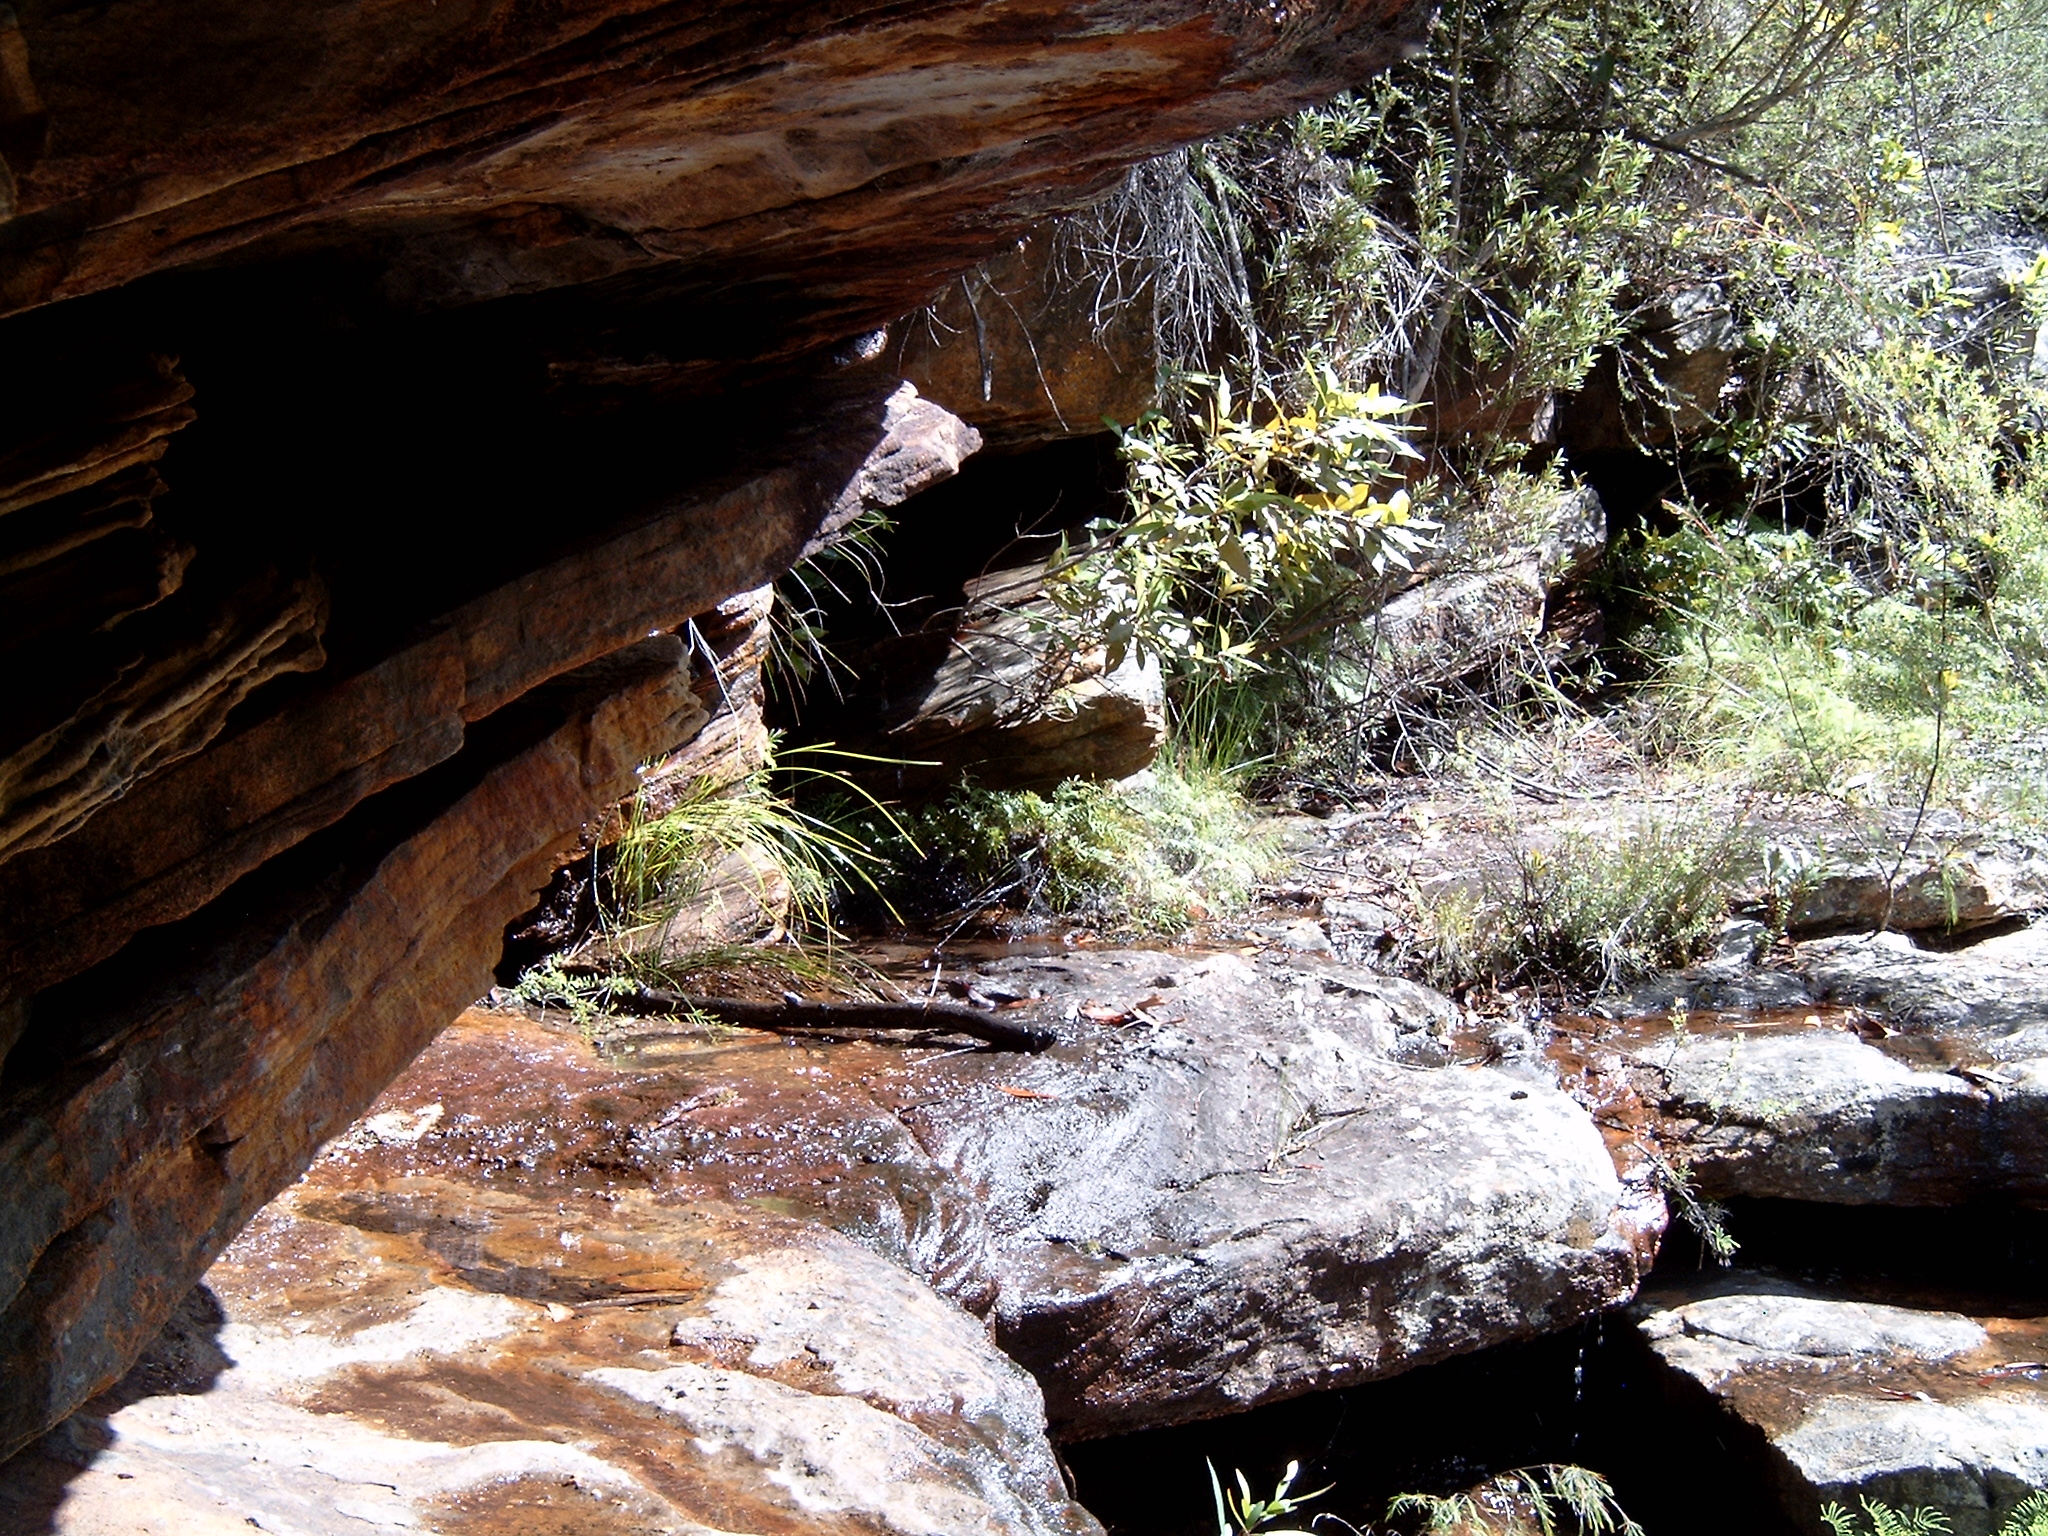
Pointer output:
x,y
1591,912
666,865
661,864
1146,857
1802,663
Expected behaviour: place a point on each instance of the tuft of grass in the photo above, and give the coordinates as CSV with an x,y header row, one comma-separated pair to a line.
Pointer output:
x,y
1591,912
661,864
666,867
1150,856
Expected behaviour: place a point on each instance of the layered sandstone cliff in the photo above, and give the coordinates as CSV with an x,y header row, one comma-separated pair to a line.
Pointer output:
x,y
381,386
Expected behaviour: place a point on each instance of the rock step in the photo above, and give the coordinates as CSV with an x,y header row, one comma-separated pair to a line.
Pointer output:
x,y
1912,1406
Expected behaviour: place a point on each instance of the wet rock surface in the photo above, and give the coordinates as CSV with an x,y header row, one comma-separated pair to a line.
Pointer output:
x,y
1224,1185
1916,1406
390,1351
1883,1072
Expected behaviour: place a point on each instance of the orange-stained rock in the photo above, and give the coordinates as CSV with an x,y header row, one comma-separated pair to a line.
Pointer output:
x,y
862,155
153,1107
436,1352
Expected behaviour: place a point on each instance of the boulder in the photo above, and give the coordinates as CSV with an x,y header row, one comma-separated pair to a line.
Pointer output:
x,y
1995,989
1446,628
1948,886
1819,1113
1252,1198
1911,1406
1856,1070
988,694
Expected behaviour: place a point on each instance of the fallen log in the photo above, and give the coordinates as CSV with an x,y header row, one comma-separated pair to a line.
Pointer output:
x,y
795,1015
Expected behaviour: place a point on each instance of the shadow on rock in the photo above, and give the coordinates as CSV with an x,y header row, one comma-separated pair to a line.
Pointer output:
x,y
185,1361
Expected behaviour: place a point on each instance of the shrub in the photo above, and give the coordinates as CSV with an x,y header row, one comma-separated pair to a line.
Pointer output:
x,y
1806,667
1250,532
1149,856
1591,912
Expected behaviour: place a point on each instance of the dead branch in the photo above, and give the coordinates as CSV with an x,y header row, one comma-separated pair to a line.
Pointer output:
x,y
795,1015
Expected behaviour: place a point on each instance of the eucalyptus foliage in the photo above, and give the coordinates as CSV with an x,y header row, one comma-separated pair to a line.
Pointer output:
x,y
1248,532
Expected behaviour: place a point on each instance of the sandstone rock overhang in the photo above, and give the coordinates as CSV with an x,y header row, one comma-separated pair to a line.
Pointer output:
x,y
366,369
856,154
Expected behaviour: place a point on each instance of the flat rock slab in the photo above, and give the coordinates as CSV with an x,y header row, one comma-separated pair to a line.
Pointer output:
x,y
1818,1112
1873,1071
1997,987
1224,1185
1911,1406
427,1352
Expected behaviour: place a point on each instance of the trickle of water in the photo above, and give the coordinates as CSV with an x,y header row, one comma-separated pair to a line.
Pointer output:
x,y
1578,1395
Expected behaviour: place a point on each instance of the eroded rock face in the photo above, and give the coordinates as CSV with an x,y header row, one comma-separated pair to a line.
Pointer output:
x,y
458,292
1035,344
857,159
155,1112
1855,1400
288,1002
178,839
